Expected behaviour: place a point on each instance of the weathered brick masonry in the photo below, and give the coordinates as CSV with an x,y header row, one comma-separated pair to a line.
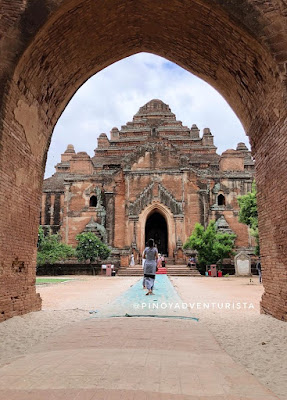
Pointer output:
x,y
50,47
162,178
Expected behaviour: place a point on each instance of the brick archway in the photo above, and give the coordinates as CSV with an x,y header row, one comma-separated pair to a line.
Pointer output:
x,y
156,206
50,47
156,228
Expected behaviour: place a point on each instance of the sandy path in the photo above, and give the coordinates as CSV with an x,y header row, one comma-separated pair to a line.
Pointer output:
x,y
258,342
63,304
84,292
240,332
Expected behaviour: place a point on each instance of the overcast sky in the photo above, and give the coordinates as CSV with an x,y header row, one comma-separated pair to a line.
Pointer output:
x,y
111,98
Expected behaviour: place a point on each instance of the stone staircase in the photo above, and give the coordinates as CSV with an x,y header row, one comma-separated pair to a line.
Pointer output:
x,y
137,270
181,270
172,270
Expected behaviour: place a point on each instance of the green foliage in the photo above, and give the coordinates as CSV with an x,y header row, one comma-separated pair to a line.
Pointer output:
x,y
90,247
41,236
51,250
248,213
248,208
211,246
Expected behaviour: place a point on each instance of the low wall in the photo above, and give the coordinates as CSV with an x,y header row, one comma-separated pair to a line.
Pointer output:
x,y
71,268
230,269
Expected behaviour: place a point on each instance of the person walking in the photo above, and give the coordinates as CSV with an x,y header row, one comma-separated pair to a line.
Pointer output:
x,y
151,256
143,263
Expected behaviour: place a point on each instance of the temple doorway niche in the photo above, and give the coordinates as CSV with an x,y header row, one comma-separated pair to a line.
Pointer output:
x,y
156,228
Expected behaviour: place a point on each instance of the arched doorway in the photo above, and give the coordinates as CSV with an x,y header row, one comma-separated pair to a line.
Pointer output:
x,y
45,60
156,228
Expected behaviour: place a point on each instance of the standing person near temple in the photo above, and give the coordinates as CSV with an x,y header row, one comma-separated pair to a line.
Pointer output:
x,y
151,256
258,267
132,262
159,264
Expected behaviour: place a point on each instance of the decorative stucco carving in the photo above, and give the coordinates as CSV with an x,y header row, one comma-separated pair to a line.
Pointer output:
x,y
169,201
146,197
142,201
219,187
216,188
98,229
157,147
223,226
100,209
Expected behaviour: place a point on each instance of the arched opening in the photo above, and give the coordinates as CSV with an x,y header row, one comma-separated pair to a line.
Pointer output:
x,y
93,201
156,228
45,60
164,79
221,200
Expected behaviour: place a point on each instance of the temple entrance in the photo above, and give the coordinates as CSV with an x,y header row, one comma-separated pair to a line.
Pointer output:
x,y
156,228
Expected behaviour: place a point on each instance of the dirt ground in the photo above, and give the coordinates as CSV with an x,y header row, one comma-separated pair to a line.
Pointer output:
x,y
228,307
259,342
63,304
86,293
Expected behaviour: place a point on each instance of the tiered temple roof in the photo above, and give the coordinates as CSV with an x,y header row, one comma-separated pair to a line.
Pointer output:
x,y
154,122
153,126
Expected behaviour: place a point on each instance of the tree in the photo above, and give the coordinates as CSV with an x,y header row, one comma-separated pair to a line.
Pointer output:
x,y
248,213
91,248
211,246
51,250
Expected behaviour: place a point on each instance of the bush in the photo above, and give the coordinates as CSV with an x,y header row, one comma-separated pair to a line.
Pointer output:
x,y
91,248
51,250
248,213
211,246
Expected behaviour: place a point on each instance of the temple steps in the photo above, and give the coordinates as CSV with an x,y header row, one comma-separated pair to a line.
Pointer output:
x,y
172,270
181,270
137,270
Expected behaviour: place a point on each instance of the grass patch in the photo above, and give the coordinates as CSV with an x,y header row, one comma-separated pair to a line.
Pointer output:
x,y
43,281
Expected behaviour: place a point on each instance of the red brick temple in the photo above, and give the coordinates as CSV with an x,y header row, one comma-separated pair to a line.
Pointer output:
x,y
154,178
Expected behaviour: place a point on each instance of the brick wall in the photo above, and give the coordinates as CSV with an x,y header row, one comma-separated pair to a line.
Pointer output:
x,y
238,47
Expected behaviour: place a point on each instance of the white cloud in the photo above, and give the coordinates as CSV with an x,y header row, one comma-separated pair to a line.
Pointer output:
x,y
111,98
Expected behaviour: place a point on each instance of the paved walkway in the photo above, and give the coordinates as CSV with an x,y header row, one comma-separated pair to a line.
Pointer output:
x,y
164,303
130,358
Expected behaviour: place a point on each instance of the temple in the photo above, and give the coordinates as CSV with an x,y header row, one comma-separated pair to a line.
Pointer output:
x,y
152,178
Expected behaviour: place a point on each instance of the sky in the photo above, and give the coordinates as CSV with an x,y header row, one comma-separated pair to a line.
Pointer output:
x,y
112,97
